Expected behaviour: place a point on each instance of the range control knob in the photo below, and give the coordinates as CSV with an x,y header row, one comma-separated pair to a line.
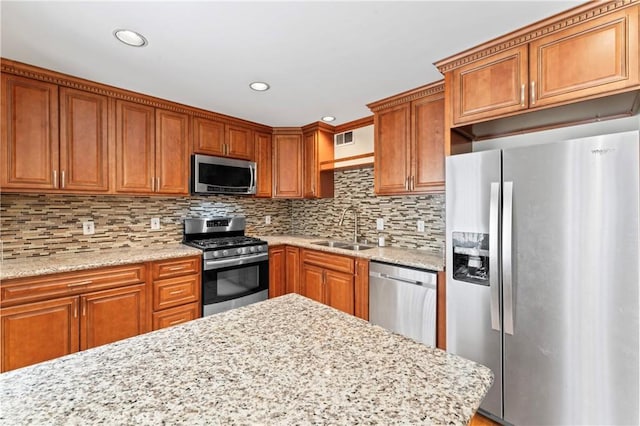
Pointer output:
x,y
252,249
225,252
216,253
239,251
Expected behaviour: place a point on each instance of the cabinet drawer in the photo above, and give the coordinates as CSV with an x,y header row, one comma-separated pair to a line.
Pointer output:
x,y
175,316
176,291
30,289
329,261
175,267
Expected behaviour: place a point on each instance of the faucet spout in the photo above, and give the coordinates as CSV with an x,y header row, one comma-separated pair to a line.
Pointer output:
x,y
355,221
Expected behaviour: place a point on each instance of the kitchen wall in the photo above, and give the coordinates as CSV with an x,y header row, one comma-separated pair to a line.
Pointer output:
x,y
355,187
39,225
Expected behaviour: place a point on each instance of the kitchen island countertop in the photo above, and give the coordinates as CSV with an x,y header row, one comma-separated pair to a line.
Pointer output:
x,y
288,360
418,258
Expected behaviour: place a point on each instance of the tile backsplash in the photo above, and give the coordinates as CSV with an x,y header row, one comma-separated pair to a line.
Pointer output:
x,y
40,225
400,213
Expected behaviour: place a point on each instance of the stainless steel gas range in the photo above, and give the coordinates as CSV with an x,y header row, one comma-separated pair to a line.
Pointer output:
x,y
235,268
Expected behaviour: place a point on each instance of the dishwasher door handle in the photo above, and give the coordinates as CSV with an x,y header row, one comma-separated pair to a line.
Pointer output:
x,y
404,280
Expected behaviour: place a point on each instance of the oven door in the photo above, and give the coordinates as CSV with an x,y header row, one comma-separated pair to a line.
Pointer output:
x,y
226,280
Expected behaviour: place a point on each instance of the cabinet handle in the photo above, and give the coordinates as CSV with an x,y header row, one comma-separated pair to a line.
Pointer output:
x,y
406,183
177,268
79,283
533,93
75,308
158,185
84,307
153,185
522,95
174,292
413,187
177,321
55,178
62,179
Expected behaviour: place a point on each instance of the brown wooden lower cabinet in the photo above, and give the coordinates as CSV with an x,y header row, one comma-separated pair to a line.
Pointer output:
x,y
39,331
292,269
277,271
328,278
178,315
112,315
176,290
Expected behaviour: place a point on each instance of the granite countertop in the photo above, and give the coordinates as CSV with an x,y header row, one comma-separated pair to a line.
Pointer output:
x,y
285,361
32,266
426,259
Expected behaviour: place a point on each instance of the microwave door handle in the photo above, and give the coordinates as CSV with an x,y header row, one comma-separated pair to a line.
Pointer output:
x,y
253,176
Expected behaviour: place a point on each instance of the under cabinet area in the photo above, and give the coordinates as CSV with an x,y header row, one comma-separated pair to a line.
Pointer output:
x,y
176,291
53,315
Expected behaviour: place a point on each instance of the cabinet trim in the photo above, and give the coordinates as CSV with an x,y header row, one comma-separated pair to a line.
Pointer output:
x,y
555,23
408,96
36,73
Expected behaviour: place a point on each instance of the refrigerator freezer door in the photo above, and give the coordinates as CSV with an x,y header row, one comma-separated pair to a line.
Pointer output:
x,y
469,328
573,355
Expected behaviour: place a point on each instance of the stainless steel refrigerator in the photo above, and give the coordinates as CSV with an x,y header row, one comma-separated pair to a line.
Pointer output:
x,y
543,276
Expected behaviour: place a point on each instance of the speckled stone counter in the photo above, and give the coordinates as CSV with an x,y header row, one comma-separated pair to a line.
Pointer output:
x,y
284,361
425,259
32,266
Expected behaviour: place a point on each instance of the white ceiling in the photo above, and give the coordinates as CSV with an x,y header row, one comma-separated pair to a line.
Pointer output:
x,y
320,58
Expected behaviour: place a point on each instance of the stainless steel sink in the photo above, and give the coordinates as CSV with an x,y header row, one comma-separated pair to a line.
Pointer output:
x,y
342,245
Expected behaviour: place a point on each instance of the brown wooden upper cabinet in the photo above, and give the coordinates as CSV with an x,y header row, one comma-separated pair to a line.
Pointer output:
x,y
222,139
594,58
41,153
264,165
151,150
409,142
318,147
287,165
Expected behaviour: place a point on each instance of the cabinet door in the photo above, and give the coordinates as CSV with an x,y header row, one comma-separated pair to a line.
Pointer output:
x,y
312,285
287,166
310,165
208,136
340,291
176,291
361,302
277,277
391,154
427,148
37,332
596,57
239,142
263,156
490,87
135,142
172,153
111,315
84,162
175,316
29,133
292,263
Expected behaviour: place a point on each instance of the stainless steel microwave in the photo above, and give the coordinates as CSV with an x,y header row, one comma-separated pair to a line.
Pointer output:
x,y
218,175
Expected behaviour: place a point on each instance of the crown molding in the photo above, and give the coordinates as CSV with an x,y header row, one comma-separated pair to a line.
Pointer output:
x,y
355,124
408,96
555,23
36,73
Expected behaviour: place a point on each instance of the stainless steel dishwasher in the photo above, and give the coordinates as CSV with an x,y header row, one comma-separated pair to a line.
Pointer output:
x,y
403,300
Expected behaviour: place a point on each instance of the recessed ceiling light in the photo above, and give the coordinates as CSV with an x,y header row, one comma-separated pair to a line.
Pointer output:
x,y
259,86
328,118
130,38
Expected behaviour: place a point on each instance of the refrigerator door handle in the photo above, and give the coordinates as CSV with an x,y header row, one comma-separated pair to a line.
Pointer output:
x,y
494,254
507,271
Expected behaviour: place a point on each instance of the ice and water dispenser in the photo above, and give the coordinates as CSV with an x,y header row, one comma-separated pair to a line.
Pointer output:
x,y
471,257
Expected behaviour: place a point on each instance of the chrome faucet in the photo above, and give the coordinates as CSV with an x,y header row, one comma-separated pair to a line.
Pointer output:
x,y
355,221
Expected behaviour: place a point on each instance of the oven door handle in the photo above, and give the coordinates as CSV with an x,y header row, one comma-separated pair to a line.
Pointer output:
x,y
236,261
